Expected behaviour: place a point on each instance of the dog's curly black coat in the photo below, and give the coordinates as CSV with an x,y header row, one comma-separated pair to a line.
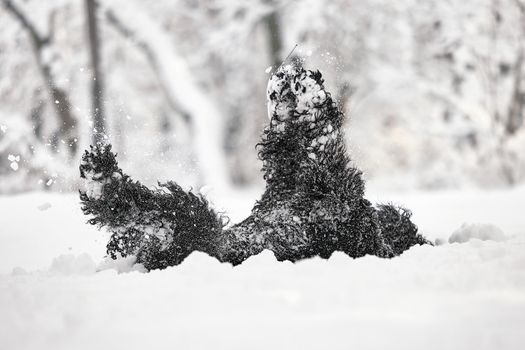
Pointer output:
x,y
313,204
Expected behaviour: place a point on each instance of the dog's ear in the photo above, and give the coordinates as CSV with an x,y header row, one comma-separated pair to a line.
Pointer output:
x,y
280,99
317,76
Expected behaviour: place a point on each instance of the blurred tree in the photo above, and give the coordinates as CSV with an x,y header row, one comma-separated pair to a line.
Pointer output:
x,y
59,98
517,103
153,60
97,82
273,27
471,63
437,87
36,114
181,88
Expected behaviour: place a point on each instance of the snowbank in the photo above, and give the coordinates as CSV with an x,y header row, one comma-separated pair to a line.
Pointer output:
x,y
468,296
57,291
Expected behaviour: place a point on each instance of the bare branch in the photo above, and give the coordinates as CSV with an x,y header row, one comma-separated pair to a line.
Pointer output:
x,y
52,26
129,34
37,39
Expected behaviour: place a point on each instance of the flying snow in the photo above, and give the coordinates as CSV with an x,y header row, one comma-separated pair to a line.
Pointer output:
x,y
14,161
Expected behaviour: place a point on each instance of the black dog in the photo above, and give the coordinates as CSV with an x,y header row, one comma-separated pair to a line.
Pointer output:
x,y
313,203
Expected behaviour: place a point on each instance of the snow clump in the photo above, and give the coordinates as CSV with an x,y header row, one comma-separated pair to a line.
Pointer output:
x,y
69,264
484,232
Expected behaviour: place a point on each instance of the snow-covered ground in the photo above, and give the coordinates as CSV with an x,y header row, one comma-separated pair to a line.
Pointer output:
x,y
56,292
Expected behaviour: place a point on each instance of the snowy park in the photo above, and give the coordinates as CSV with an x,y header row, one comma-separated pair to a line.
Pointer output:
x,y
272,174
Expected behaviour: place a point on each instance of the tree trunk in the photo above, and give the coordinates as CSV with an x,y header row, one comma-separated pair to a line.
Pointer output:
x,y
273,27
97,88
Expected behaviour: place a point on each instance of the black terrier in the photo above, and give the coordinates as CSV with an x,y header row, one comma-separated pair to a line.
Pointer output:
x,y
313,203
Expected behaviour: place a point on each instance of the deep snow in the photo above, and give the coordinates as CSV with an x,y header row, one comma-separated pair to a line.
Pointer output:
x,y
56,292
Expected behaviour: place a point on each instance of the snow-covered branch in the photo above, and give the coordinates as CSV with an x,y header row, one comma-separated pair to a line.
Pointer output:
x,y
180,85
130,34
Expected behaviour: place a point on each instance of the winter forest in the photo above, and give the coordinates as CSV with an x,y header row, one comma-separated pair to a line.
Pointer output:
x,y
403,219
433,91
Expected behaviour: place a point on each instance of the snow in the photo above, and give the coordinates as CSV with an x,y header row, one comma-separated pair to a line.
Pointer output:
x,y
57,291
13,158
92,184
14,161
309,94
484,232
70,264
44,206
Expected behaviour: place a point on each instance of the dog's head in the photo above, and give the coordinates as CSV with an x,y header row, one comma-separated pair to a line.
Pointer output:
x,y
302,111
304,130
295,95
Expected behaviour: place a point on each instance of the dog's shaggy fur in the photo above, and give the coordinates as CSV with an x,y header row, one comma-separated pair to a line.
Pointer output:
x,y
313,204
